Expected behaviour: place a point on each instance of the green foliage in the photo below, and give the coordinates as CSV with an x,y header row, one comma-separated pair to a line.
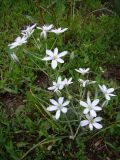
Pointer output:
x,y
93,39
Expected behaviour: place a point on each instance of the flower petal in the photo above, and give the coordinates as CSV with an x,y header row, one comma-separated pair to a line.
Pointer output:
x,y
97,119
95,102
86,110
97,108
63,53
49,52
107,96
84,122
77,70
64,109
61,86
100,87
66,103
110,90
52,108
59,79
60,60
89,117
112,95
52,88
93,113
56,51
91,126
54,102
54,64
60,100
87,69
82,103
57,115
47,59
97,125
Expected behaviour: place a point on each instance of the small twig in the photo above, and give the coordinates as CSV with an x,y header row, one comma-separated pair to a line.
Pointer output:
x,y
101,9
39,144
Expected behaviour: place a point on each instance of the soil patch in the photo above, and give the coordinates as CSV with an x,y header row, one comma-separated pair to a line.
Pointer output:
x,y
112,72
13,103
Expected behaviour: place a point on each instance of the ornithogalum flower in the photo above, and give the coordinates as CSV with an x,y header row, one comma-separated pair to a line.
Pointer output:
x,y
90,106
14,57
45,29
59,30
28,31
57,85
107,92
86,82
54,57
92,122
58,106
18,42
67,81
83,71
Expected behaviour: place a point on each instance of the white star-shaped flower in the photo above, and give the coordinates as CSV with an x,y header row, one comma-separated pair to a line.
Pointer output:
x,y
92,122
55,57
59,30
90,107
57,85
86,82
28,31
45,29
67,81
83,71
14,57
18,42
58,106
107,92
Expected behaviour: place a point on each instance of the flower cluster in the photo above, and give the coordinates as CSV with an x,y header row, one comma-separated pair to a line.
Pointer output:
x,y
49,28
26,33
87,108
91,107
59,85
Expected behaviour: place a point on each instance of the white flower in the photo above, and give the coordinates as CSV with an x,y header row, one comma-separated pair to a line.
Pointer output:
x,y
107,92
86,82
45,29
59,30
14,57
92,122
58,106
83,71
18,42
57,85
54,57
28,31
68,82
90,107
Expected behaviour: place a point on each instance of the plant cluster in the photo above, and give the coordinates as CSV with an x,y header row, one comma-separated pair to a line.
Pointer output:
x,y
84,103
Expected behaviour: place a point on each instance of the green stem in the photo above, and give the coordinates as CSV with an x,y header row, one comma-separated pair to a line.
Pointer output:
x,y
76,131
54,42
70,127
35,42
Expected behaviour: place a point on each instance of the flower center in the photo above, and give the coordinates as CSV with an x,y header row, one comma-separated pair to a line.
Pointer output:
x,y
90,107
91,121
60,106
54,57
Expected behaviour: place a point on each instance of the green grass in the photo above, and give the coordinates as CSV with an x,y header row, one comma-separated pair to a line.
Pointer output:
x,y
26,130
